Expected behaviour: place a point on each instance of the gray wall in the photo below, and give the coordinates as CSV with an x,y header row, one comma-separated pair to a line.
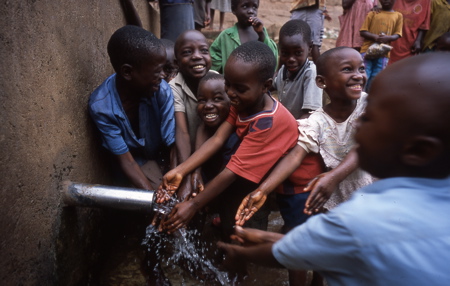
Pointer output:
x,y
53,54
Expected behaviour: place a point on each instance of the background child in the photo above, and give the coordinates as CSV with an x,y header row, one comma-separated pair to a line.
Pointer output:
x,y
248,28
170,68
439,23
193,59
380,27
354,13
416,22
411,155
266,128
224,6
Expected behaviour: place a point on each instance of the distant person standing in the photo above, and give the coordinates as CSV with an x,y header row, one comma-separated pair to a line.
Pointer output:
x,y
176,17
224,6
313,13
416,22
201,14
439,24
354,14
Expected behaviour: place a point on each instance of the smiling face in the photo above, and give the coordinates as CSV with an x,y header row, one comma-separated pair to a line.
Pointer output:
x,y
244,86
244,10
293,53
192,55
213,103
345,75
148,75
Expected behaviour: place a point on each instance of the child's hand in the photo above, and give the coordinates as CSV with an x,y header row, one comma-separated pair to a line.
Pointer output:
x,y
382,38
170,183
197,183
180,216
257,24
162,195
252,236
327,16
249,206
232,262
321,188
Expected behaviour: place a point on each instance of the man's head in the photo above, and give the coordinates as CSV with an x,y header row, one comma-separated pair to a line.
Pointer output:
x,y
248,75
137,56
192,55
295,45
405,130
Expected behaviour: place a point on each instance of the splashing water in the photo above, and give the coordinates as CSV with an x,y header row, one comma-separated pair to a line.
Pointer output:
x,y
184,249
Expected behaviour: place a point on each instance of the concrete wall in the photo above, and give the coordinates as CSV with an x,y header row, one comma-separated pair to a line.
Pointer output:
x,y
52,54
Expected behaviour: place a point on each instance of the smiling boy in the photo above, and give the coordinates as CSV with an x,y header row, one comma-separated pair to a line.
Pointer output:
x,y
266,128
133,108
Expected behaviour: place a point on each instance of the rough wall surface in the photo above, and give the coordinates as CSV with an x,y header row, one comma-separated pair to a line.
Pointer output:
x,y
53,55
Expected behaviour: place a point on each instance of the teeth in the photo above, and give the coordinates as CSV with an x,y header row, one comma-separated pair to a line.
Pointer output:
x,y
211,116
357,86
199,67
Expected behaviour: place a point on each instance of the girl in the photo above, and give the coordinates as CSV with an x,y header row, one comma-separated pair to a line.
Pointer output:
x,y
328,131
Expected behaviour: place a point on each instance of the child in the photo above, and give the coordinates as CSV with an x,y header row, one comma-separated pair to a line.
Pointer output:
x,y
383,27
354,13
328,131
224,6
439,23
266,128
443,43
296,79
170,68
248,28
133,108
416,22
193,60
395,231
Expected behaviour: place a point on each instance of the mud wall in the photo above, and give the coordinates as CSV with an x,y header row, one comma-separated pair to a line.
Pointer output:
x,y
52,54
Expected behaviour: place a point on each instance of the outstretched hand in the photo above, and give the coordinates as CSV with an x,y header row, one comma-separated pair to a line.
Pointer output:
x,y
249,206
197,183
180,216
170,183
253,236
321,188
257,24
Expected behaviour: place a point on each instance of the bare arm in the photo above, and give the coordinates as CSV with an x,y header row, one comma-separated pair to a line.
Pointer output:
x,y
133,171
183,145
417,46
253,201
369,36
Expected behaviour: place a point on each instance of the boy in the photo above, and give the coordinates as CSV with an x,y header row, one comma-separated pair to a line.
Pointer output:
x,y
266,128
248,28
395,231
133,108
380,27
296,80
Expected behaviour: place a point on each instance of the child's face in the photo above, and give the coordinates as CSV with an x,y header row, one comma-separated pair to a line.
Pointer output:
x,y
345,77
213,103
192,55
245,10
147,77
387,4
243,85
170,68
293,52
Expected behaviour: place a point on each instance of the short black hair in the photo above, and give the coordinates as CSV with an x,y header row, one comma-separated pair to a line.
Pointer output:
x,y
258,54
132,45
235,3
321,62
296,27
211,76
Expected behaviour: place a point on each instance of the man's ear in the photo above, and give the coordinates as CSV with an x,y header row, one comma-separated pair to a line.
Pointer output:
x,y
420,151
126,71
320,81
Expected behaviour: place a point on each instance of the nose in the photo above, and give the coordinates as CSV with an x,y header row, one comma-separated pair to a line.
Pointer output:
x,y
209,104
196,54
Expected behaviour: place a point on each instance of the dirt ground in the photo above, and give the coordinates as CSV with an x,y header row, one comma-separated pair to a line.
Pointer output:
x,y
274,13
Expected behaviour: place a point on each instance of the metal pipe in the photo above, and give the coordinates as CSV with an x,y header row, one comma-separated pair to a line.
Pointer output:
x,y
89,195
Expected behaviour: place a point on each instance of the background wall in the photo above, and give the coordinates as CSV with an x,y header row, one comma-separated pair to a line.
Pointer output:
x,y
53,55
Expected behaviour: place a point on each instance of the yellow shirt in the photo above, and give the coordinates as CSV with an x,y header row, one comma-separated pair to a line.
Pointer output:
x,y
389,23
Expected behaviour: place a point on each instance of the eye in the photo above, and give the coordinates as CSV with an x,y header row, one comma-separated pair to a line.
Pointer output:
x,y
186,52
204,51
346,69
362,69
298,53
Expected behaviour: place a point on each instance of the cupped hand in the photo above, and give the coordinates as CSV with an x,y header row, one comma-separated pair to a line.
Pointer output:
x,y
249,206
180,216
321,188
170,183
197,183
